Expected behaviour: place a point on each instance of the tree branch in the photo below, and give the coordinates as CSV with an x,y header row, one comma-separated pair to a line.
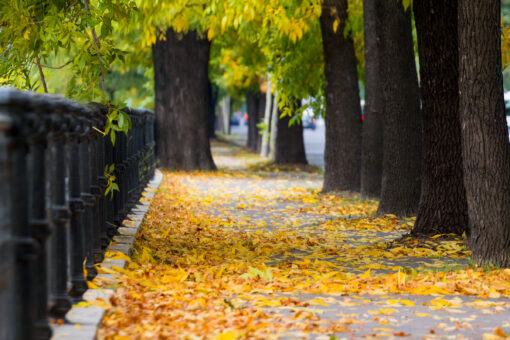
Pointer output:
x,y
41,74
98,47
57,67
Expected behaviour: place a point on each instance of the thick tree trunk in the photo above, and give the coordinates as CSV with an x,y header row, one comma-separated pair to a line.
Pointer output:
x,y
372,141
182,101
443,206
402,144
290,146
342,155
485,147
255,104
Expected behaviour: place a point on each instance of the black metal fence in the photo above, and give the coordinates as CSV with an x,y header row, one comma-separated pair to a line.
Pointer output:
x,y
54,216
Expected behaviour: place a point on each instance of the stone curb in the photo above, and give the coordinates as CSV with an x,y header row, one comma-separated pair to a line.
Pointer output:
x,y
82,322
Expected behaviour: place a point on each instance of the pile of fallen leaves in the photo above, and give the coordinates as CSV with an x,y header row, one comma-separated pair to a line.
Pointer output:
x,y
206,265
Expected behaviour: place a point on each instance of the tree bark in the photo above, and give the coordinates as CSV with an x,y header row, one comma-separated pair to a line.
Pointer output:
x,y
182,101
443,205
485,147
372,132
213,101
290,146
255,104
342,155
402,144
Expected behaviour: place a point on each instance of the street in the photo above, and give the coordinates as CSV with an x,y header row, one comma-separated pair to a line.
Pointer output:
x,y
314,141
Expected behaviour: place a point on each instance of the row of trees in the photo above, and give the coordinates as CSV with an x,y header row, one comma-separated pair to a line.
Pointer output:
x,y
442,151
437,147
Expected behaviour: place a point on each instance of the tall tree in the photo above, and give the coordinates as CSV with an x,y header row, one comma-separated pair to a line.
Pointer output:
x,y
485,147
182,101
402,144
342,154
290,146
255,105
443,206
372,141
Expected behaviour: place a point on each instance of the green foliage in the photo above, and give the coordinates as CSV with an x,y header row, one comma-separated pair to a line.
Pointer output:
x,y
36,35
111,186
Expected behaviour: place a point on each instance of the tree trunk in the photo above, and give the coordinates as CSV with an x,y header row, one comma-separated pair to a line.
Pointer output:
x,y
220,120
273,128
443,206
223,118
226,103
182,101
213,101
372,141
264,150
402,144
342,155
485,147
255,103
290,147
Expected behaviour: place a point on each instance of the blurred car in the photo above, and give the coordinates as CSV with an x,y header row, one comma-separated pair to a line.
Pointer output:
x,y
309,123
234,120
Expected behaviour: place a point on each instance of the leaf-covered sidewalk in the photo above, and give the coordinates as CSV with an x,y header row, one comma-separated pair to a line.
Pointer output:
x,y
254,251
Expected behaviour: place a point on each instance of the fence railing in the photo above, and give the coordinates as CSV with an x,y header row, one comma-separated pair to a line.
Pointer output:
x,y
54,216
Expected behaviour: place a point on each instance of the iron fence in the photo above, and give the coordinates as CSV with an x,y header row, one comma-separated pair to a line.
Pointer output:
x,y
54,215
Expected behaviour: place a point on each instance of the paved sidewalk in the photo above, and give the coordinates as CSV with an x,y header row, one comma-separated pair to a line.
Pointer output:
x,y
414,316
255,251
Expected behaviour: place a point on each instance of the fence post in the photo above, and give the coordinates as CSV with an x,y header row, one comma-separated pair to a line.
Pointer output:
x,y
100,149
94,187
123,179
60,123
39,225
86,195
6,255
14,104
110,199
78,283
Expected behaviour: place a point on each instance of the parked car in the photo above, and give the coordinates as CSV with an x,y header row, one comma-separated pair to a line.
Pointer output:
x,y
309,123
234,120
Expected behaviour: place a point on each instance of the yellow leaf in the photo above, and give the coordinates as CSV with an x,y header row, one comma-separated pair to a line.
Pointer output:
x,y
421,314
226,336
210,34
335,24
93,285
366,274
82,304
117,255
407,302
